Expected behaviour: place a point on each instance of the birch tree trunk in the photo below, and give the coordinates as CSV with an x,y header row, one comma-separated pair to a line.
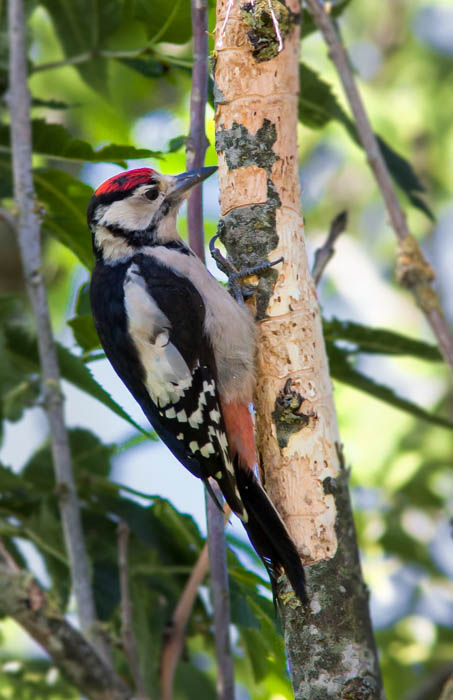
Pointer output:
x,y
330,646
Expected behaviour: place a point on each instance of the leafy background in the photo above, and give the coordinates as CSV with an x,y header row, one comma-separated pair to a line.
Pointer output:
x,y
123,101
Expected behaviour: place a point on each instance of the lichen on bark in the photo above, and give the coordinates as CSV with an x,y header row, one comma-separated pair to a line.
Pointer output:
x,y
263,35
242,148
332,636
250,232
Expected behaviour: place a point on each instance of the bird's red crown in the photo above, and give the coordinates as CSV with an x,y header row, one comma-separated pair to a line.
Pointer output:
x,y
125,181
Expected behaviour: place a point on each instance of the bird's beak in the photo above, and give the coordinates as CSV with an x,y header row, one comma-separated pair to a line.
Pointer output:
x,y
183,183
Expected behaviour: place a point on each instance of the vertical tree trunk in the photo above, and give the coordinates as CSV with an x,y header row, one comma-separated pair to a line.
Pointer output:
x,y
330,646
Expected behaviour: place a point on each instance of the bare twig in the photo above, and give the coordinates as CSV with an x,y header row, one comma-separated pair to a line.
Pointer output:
x,y
220,596
110,53
196,148
325,253
26,602
197,142
175,633
447,690
8,218
432,687
127,629
413,270
28,229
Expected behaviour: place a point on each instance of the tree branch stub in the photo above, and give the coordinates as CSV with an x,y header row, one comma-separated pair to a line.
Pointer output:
x,y
23,600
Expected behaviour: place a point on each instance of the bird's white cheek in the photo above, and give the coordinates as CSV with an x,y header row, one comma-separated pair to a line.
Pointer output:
x,y
128,215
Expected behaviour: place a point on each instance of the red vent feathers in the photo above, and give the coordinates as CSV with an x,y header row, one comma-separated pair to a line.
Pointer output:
x,y
125,181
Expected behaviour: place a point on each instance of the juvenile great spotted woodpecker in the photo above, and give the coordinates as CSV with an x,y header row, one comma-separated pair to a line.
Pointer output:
x,y
183,347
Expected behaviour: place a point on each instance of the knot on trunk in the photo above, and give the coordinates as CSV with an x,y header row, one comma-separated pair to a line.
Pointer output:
x,y
288,417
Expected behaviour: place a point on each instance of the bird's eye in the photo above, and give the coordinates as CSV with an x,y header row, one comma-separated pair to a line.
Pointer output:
x,y
152,193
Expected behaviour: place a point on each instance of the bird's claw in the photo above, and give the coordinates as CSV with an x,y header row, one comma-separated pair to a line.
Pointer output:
x,y
240,292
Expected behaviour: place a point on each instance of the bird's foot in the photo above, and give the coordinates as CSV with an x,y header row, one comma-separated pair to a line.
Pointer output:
x,y
239,292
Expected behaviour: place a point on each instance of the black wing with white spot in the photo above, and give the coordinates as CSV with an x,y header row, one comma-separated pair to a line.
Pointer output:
x,y
165,322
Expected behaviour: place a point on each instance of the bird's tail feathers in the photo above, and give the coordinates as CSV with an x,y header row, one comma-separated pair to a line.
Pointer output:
x,y
268,534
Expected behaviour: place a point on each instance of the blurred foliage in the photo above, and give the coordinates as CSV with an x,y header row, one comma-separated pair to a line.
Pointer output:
x,y
110,84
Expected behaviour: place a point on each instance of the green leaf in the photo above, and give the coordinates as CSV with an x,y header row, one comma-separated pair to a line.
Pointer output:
x,y
308,26
176,143
83,26
397,541
404,176
164,21
256,650
160,526
22,396
192,682
22,348
106,588
9,480
42,523
85,332
261,642
379,340
150,67
17,392
49,104
241,612
31,679
318,105
83,304
55,141
88,454
66,200
342,370
119,154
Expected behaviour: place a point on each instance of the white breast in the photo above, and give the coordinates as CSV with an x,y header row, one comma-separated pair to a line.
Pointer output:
x,y
229,326
167,376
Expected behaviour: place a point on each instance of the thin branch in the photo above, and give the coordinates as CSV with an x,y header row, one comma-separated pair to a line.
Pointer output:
x,y
196,149
70,61
127,630
197,142
413,270
327,250
9,219
433,685
23,600
110,53
220,596
447,690
28,229
175,633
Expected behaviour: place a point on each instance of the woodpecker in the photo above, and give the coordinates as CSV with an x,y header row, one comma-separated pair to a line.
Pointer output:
x,y
183,347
